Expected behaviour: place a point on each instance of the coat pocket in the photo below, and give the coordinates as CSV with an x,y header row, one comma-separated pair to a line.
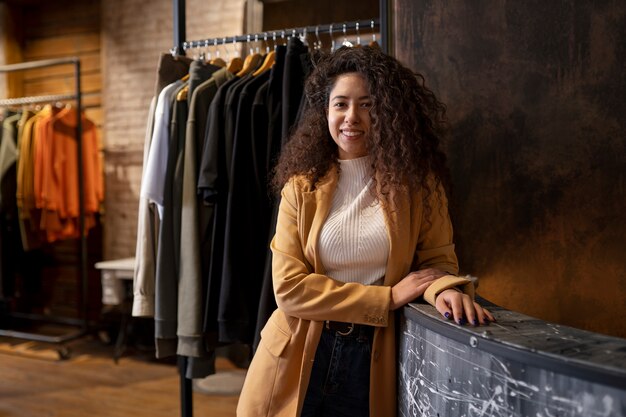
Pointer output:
x,y
274,338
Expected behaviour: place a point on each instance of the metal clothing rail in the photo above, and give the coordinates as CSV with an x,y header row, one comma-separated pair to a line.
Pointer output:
x,y
332,28
77,96
7,102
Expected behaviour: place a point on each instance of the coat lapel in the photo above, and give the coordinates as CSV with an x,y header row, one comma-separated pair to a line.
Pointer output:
x,y
316,206
397,218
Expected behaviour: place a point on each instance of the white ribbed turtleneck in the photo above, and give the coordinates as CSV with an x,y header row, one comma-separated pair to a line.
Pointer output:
x,y
353,243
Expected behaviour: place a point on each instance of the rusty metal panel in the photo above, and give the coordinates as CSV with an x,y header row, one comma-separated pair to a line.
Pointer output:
x,y
536,146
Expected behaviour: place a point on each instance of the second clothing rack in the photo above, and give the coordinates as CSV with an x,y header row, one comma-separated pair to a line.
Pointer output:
x,y
82,322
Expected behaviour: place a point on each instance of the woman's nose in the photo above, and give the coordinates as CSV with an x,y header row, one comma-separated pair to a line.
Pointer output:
x,y
352,115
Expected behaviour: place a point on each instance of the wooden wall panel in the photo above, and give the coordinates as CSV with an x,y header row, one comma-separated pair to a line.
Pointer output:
x,y
61,29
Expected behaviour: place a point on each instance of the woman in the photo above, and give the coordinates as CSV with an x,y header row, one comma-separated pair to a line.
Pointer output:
x,y
363,228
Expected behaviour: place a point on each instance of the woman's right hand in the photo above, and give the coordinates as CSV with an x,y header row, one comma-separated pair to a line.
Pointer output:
x,y
413,286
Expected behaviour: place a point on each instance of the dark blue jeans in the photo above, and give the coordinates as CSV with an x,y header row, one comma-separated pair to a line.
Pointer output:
x,y
340,379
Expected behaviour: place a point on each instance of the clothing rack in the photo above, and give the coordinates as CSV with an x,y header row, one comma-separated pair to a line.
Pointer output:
x,y
82,321
181,45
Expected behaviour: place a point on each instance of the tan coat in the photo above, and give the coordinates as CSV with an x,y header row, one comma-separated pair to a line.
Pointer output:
x,y
278,376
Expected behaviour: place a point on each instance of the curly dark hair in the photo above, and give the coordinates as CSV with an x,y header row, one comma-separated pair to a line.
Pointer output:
x,y
406,124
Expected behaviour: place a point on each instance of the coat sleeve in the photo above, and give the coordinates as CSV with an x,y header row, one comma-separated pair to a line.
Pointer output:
x,y
307,295
435,248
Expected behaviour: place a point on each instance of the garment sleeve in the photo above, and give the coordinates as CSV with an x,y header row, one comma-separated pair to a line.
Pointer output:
x,y
311,296
435,248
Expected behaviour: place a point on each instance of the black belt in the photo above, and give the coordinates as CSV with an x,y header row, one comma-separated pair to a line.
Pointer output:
x,y
349,329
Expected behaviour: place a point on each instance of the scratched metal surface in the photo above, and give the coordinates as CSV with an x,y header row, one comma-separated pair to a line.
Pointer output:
x,y
517,367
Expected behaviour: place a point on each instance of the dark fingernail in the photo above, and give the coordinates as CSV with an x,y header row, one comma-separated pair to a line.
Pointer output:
x,y
446,315
475,322
461,321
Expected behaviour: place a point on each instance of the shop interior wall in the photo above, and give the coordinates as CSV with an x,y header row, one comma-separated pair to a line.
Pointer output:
x,y
296,13
133,37
535,95
134,34
37,30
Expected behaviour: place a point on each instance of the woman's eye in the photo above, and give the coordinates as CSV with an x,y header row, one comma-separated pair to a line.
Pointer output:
x,y
366,104
339,104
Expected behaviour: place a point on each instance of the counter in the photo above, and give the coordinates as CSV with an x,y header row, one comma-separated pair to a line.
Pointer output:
x,y
519,366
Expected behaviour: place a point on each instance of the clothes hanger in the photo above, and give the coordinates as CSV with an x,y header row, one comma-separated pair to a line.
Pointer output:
x,y
318,43
373,43
250,63
217,61
235,64
182,94
346,42
268,62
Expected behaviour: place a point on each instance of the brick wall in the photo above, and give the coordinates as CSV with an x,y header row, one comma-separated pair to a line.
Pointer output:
x,y
134,33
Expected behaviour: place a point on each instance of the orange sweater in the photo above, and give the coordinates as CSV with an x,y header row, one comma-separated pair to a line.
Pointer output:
x,y
56,174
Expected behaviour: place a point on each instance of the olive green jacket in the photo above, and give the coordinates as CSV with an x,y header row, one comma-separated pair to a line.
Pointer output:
x,y
278,376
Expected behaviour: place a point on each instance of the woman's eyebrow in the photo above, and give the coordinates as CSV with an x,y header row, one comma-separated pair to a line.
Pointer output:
x,y
346,97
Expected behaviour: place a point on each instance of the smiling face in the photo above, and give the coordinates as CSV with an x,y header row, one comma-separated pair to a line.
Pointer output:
x,y
349,115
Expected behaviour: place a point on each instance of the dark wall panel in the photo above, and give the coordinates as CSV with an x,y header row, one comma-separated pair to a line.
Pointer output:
x,y
537,147
295,13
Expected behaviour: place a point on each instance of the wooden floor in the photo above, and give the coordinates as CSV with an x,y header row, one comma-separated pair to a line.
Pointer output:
x,y
89,383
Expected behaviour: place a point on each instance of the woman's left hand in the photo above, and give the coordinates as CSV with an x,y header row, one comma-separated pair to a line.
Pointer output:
x,y
454,304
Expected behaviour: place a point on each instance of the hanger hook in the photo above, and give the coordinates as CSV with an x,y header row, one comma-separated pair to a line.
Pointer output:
x,y
235,52
358,35
345,37
198,47
274,39
217,51
225,48
205,55
373,33
267,46
317,36
332,38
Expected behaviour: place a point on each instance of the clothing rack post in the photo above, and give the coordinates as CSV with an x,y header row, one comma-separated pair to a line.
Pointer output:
x,y
385,39
180,26
82,322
